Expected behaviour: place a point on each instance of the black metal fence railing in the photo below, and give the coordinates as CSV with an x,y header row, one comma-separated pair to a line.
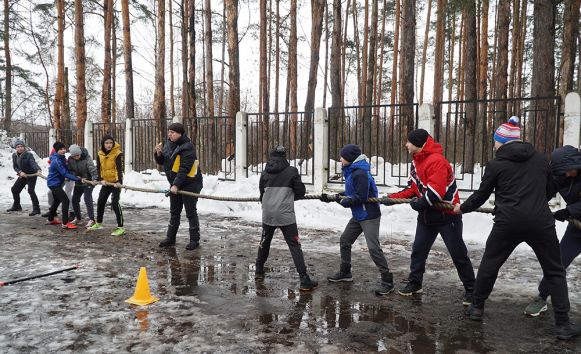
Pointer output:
x,y
38,142
116,130
465,129
146,135
293,130
381,132
215,142
70,136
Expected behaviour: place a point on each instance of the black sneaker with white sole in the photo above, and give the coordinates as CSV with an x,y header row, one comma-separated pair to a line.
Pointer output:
x,y
411,288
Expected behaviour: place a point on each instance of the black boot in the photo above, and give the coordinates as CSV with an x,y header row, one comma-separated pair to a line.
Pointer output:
x,y
568,330
307,284
45,215
259,271
344,274
15,207
474,313
35,211
194,239
170,238
386,285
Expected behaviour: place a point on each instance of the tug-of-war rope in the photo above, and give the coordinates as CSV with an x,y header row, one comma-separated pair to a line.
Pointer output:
x,y
383,200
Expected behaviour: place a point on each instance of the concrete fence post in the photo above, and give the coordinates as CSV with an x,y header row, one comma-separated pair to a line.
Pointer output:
x,y
321,150
88,135
22,137
51,139
241,145
426,118
128,148
572,131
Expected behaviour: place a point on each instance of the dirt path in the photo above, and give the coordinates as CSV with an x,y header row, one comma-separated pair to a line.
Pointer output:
x,y
211,303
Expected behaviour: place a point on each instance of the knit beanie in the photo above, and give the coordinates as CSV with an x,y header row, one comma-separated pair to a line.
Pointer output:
x,y
278,151
350,152
508,131
19,142
75,150
58,145
418,137
177,127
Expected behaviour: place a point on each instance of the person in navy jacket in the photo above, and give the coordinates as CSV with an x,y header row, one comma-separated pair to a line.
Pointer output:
x,y
24,165
55,180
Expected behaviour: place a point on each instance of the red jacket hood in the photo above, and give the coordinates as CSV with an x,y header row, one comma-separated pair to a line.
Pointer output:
x,y
430,147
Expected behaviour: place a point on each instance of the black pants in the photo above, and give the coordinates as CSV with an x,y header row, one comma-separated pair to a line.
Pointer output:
x,y
59,196
19,185
176,204
570,248
452,235
102,201
87,192
291,236
545,244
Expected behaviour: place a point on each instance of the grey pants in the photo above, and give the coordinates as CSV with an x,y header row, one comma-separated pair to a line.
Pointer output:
x,y
370,229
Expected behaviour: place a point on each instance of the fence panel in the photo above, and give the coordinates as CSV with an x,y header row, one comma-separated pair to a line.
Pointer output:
x,y
381,132
116,130
70,136
38,142
293,130
145,137
465,129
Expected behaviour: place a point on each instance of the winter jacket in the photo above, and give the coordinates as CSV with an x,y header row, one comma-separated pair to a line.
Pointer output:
x,y
360,186
84,167
180,163
58,171
431,180
520,178
563,159
280,185
24,163
110,164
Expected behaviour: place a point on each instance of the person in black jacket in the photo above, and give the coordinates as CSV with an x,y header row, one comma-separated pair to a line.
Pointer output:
x,y
180,163
280,185
520,178
24,164
566,169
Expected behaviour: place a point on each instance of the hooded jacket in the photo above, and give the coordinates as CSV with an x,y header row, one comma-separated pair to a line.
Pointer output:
x,y
360,186
280,185
110,163
84,167
562,160
520,178
24,163
180,163
432,180
58,171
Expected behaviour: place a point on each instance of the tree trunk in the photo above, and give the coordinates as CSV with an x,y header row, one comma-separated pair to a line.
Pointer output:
x,y
521,49
325,86
439,62
357,56
233,58
81,90
172,109
292,74
343,55
451,48
127,57
8,71
113,65
184,8
570,34
336,93
58,97
159,107
365,58
406,68
66,105
223,67
209,58
482,129
501,72
106,88
378,90
470,87
192,72
277,58
394,66
370,129
262,86
424,50
514,49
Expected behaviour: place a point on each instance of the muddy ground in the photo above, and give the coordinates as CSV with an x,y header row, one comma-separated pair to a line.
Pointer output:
x,y
211,303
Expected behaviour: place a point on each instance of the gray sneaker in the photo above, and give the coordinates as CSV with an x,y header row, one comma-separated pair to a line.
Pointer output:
x,y
536,307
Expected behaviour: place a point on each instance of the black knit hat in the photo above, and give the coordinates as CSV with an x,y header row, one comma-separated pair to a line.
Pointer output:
x,y
278,151
58,145
418,137
350,152
177,127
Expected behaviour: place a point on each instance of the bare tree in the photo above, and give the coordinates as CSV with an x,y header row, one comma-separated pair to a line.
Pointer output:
x,y
292,73
570,34
501,71
406,68
369,144
209,58
172,109
127,57
191,71
396,30
471,57
159,107
66,117
184,8
106,88
8,71
58,97
233,58
424,50
81,91
439,60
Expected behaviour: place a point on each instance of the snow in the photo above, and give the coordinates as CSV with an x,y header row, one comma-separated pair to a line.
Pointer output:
x,y
397,221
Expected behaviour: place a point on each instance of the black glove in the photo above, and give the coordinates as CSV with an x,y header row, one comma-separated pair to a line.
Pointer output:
x,y
419,204
386,201
562,215
345,202
328,198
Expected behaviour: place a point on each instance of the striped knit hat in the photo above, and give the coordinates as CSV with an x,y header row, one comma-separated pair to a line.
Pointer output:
x,y
508,131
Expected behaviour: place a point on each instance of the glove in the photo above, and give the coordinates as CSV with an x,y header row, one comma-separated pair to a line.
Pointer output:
x,y
328,198
562,215
345,202
386,201
419,204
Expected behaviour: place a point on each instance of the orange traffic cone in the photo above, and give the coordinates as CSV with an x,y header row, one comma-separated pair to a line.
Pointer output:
x,y
142,295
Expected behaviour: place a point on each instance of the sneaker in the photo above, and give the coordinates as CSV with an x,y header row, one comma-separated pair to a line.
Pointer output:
x,y
467,299
76,221
568,330
34,212
14,208
341,275
95,226
384,289
474,313
259,272
192,245
118,232
411,288
307,284
45,215
90,223
536,307
54,221
69,225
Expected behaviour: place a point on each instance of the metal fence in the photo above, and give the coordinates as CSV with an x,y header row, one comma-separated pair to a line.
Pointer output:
x,y
293,130
465,129
215,142
70,136
38,142
381,132
116,130
146,135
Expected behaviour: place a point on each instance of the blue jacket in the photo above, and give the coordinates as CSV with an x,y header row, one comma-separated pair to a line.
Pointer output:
x,y
57,171
359,186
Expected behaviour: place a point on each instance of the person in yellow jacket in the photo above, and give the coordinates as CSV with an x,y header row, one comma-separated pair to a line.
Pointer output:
x,y
109,169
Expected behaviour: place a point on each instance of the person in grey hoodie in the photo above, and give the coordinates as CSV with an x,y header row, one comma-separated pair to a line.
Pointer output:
x,y
24,164
81,164
280,185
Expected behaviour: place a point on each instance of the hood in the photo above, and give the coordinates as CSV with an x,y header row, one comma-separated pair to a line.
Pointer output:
x,y
360,163
430,147
276,164
182,140
84,153
517,151
565,158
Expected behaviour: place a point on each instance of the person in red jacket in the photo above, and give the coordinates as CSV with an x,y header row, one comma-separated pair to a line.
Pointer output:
x,y
432,181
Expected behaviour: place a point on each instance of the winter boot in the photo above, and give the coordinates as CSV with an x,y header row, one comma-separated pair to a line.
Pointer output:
x,y
411,288
307,284
259,271
35,211
467,299
194,238
15,207
568,330
45,215
170,237
475,313
386,285
344,274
